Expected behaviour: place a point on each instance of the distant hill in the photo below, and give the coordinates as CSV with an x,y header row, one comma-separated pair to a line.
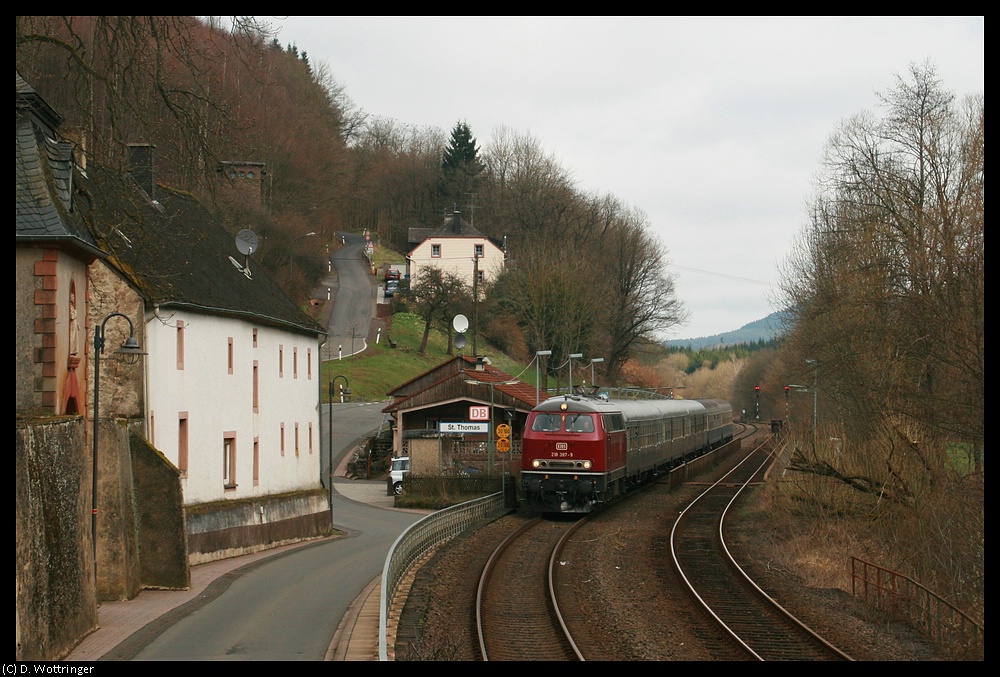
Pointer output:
x,y
771,327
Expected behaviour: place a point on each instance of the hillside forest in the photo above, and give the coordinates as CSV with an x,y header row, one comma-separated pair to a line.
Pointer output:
x,y
880,376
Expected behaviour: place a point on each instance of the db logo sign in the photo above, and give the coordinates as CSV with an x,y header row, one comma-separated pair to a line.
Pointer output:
x,y
479,413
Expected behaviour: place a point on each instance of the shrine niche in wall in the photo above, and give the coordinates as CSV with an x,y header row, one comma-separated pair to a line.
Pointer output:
x,y
71,397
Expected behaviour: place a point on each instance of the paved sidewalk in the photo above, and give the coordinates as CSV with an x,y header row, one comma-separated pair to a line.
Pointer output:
x,y
355,639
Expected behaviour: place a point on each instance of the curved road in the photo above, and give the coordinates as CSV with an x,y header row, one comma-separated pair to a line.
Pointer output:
x,y
354,298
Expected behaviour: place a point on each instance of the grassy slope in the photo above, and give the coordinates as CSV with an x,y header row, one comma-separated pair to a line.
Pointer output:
x,y
381,368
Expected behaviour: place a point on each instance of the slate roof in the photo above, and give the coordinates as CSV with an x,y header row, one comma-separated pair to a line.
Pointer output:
x,y
454,227
44,213
176,254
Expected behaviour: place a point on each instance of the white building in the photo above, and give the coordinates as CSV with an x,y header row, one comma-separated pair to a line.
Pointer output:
x,y
456,248
232,372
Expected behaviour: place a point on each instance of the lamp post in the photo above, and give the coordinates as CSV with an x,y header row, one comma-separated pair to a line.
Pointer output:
x,y
294,239
130,352
572,356
343,392
492,443
593,381
538,379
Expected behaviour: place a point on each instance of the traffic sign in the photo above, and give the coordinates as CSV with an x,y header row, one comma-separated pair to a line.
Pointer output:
x,y
503,431
503,445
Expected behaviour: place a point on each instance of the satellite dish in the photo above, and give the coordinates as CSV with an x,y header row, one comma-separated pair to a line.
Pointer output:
x,y
460,341
460,323
246,241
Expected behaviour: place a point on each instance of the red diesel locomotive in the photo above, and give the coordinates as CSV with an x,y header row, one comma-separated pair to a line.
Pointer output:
x,y
580,452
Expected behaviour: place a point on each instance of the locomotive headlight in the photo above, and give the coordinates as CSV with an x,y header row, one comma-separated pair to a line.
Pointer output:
x,y
535,463
586,465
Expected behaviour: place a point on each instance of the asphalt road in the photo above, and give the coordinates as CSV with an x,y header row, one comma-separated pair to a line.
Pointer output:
x,y
354,300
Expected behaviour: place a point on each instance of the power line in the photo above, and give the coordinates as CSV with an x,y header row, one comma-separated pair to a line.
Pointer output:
x,y
723,275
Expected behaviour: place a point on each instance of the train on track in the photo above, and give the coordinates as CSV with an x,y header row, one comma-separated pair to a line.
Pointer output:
x,y
579,452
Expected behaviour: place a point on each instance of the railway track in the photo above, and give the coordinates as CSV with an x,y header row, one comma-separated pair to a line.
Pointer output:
x,y
518,615
761,627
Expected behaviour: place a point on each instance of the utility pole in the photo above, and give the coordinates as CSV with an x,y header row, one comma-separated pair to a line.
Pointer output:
x,y
475,305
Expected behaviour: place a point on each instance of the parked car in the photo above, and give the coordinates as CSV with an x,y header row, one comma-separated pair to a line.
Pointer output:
x,y
392,274
391,288
400,466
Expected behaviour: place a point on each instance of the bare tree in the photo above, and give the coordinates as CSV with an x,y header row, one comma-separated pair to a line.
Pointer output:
x,y
436,296
889,280
639,299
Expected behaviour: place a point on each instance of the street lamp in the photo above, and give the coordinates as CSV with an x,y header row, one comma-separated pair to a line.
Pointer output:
x,y
130,353
593,381
344,392
294,239
571,358
539,354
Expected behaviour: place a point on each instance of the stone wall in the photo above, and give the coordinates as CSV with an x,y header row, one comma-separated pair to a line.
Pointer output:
x,y
54,603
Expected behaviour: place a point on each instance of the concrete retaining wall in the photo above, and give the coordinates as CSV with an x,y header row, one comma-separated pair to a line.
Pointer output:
x,y
229,528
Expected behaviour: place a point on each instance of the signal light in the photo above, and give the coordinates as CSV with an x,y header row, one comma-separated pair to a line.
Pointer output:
x,y
757,388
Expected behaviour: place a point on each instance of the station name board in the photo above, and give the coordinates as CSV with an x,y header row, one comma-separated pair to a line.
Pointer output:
x,y
463,427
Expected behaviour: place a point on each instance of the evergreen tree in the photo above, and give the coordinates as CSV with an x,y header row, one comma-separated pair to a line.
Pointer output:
x,y
460,167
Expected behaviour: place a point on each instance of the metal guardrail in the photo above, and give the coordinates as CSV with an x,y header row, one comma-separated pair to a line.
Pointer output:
x,y
943,623
422,537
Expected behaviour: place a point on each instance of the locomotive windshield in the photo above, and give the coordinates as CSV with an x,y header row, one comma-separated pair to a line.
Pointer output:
x,y
579,423
547,423
575,423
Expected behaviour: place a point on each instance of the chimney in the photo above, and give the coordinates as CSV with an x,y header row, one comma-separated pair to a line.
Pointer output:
x,y
141,165
456,222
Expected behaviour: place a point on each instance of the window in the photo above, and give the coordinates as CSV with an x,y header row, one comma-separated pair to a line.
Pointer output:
x,y
282,439
182,443
230,354
436,251
295,362
256,388
255,337
256,461
309,363
547,423
579,423
229,459
479,276
281,361
180,344
310,438
296,438
479,251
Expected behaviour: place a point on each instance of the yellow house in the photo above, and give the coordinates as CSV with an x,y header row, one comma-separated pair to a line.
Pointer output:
x,y
458,248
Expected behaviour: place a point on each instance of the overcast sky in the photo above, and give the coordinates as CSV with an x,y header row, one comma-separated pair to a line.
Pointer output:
x,y
713,127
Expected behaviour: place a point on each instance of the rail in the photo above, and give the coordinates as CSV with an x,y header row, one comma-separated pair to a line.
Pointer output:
x,y
419,539
890,591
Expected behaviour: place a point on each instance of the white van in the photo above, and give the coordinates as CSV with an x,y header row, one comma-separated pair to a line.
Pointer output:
x,y
400,466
